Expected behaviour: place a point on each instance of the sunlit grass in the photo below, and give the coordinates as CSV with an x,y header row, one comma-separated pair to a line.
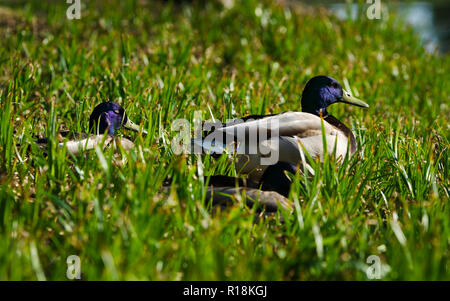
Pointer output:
x,y
164,61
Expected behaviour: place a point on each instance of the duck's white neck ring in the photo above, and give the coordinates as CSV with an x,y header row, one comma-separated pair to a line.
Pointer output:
x,y
323,112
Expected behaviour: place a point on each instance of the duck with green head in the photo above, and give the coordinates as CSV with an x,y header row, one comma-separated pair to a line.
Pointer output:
x,y
295,132
104,122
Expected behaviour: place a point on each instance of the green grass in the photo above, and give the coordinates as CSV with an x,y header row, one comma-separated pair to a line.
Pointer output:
x,y
163,62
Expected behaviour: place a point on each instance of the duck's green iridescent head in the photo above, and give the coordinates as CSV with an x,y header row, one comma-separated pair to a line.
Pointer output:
x,y
109,117
322,91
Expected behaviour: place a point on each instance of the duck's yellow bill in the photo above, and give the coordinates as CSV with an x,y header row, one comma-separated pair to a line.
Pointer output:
x,y
348,98
130,125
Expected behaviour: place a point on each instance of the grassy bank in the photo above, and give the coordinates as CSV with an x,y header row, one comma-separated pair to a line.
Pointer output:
x,y
163,62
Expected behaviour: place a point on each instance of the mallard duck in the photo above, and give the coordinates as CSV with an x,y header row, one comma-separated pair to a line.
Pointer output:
x,y
289,134
104,122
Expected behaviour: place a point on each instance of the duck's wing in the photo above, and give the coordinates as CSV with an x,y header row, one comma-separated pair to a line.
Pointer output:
x,y
76,143
253,131
285,124
81,145
209,127
77,146
62,136
249,118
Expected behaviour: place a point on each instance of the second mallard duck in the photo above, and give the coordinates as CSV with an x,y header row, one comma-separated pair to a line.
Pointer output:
x,y
106,118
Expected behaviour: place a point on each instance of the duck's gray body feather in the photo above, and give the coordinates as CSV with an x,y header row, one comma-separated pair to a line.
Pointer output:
x,y
289,134
82,142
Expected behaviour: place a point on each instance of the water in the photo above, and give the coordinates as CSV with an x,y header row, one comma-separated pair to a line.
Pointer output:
x,y
430,20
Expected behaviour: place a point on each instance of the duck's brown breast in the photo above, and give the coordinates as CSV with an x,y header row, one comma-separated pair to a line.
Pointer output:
x,y
344,129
